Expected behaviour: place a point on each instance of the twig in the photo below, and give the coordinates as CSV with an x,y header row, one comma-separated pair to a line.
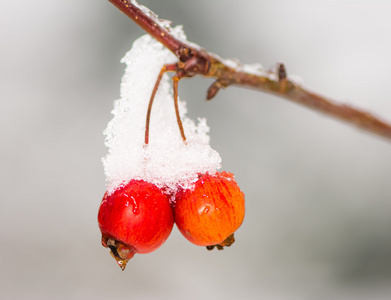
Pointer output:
x,y
197,61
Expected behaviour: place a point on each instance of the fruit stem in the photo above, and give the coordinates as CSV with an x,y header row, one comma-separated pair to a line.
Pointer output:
x,y
175,79
162,71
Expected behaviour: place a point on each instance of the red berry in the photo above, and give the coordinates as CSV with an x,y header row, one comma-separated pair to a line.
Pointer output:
x,y
209,214
136,218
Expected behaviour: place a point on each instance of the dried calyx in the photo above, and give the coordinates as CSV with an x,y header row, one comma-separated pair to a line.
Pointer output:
x,y
227,243
121,253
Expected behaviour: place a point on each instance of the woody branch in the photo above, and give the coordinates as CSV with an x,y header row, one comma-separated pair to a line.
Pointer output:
x,y
197,61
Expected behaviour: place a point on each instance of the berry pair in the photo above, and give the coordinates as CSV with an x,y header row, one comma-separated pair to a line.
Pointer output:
x,y
138,217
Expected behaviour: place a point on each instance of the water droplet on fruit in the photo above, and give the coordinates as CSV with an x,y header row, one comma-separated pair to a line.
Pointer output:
x,y
136,209
204,210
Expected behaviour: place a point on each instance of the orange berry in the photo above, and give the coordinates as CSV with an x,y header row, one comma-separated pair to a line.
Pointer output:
x,y
211,212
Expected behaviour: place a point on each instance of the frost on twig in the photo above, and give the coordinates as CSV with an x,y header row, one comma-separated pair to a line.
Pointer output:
x,y
194,60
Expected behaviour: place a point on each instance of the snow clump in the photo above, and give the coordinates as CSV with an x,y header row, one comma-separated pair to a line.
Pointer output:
x,y
167,161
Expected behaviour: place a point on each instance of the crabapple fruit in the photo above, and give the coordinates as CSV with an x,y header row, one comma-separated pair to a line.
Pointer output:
x,y
135,218
211,212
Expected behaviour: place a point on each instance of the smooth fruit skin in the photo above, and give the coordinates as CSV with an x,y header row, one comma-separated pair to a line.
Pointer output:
x,y
136,218
210,213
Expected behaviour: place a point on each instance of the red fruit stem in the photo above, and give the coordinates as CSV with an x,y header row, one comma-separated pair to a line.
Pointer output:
x,y
163,70
194,61
175,79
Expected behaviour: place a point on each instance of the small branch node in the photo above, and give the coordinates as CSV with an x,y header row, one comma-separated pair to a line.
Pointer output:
x,y
281,72
214,88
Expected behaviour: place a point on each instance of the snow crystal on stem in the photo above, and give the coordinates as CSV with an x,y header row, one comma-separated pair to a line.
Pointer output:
x,y
166,161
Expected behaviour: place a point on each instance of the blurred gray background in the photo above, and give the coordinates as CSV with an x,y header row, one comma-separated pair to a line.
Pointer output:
x,y
318,192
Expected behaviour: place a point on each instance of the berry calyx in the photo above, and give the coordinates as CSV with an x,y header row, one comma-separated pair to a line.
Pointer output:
x,y
135,218
210,213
